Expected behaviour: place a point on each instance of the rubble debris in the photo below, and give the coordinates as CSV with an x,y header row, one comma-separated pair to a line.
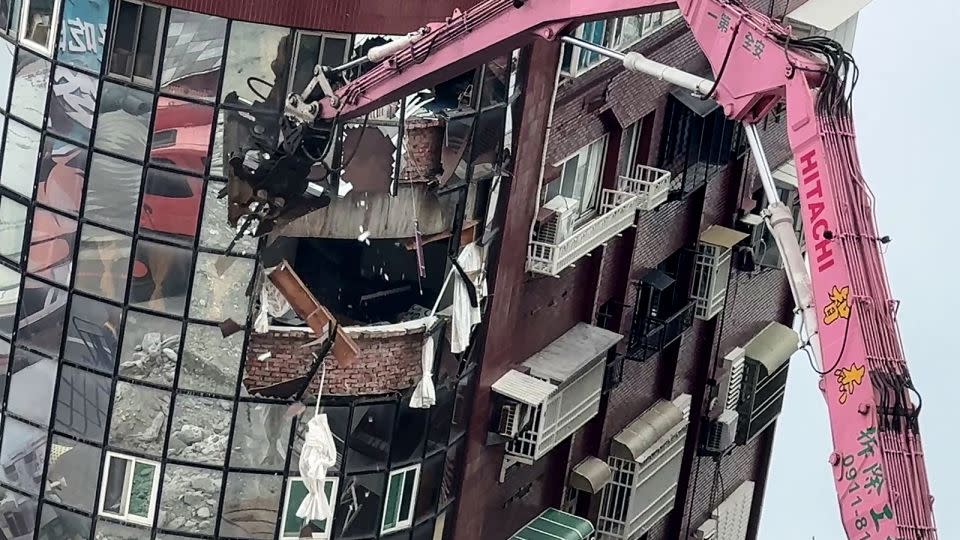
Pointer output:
x,y
229,327
265,356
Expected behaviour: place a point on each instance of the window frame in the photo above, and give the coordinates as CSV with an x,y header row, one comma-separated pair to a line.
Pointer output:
x,y
158,52
295,57
52,36
584,214
323,535
407,521
127,486
648,24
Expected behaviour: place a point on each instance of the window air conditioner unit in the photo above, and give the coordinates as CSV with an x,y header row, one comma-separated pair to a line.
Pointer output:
x,y
751,254
561,224
707,531
722,433
729,383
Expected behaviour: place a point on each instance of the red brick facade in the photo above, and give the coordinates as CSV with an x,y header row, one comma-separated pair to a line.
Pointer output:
x,y
386,363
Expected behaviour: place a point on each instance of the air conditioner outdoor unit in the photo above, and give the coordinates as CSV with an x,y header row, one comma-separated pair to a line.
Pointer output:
x,y
561,225
707,531
513,418
729,381
750,254
722,432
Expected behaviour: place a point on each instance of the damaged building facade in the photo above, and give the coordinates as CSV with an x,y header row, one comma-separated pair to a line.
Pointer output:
x,y
568,256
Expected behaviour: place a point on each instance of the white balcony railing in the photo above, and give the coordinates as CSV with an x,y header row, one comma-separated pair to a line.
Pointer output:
x,y
649,184
617,212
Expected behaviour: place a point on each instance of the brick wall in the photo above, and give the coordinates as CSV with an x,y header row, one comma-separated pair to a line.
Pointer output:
x,y
386,363
423,141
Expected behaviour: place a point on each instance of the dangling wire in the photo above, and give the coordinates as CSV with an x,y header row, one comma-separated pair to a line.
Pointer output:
x,y
323,376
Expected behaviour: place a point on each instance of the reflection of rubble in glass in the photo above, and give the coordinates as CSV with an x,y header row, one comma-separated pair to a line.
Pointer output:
x,y
210,362
250,506
72,471
15,508
108,530
150,346
260,437
200,429
216,233
60,524
190,498
139,418
216,297
22,455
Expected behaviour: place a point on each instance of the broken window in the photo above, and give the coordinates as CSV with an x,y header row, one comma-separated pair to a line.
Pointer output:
x,y
250,505
357,512
311,49
190,499
371,430
139,418
129,489
209,362
24,450
72,472
151,345
200,429
92,331
193,56
257,58
82,402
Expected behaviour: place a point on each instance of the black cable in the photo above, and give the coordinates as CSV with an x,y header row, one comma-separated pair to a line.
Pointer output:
x,y
843,347
723,66
254,90
693,497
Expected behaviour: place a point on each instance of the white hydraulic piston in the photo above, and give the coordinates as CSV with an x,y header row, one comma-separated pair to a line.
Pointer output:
x,y
776,215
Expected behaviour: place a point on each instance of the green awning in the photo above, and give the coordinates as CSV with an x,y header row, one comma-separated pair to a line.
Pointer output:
x,y
553,524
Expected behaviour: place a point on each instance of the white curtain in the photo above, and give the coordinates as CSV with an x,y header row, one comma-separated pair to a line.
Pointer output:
x,y
318,455
425,394
466,316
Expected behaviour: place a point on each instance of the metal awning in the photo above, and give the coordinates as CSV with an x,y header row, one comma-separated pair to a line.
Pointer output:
x,y
657,279
553,524
700,107
590,475
786,175
569,354
827,14
772,346
646,430
523,388
721,236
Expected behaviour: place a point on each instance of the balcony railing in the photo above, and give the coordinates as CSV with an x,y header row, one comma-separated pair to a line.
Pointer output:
x,y
649,335
617,212
649,184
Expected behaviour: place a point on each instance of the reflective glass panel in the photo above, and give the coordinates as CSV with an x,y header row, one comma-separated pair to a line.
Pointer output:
x,y
5,354
409,435
428,486
190,499
51,246
358,507
210,362
42,310
21,458
257,59
150,347
30,87
216,233
82,402
181,135
72,102
171,206
13,226
72,474
20,158
9,297
161,275
371,430
7,51
32,378
200,429
103,262
194,52
59,524
92,329
20,512
124,121
82,33
217,297
336,419
113,189
108,530
260,436
60,182
450,482
250,501
139,419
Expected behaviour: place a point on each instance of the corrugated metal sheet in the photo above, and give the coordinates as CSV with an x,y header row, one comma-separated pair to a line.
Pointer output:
x,y
523,388
733,514
572,352
362,16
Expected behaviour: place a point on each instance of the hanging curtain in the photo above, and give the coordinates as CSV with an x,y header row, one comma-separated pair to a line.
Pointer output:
x,y
318,455
425,395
